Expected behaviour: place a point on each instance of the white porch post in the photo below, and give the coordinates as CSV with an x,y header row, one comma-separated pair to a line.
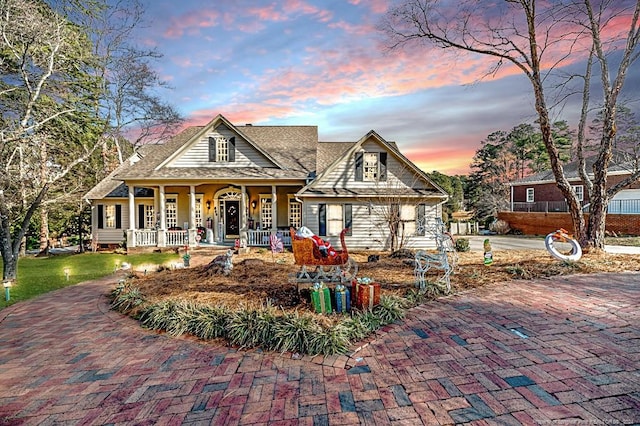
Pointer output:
x,y
244,238
131,237
274,209
162,236
192,215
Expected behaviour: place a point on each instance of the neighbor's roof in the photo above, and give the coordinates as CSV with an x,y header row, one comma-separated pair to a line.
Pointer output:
x,y
620,164
293,147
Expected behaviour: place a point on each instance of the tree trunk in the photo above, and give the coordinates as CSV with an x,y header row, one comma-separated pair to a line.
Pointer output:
x,y
44,231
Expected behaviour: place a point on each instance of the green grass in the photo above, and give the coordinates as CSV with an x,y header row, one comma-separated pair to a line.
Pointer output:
x,y
39,275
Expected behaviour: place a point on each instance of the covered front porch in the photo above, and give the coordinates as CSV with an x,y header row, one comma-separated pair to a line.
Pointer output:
x,y
212,214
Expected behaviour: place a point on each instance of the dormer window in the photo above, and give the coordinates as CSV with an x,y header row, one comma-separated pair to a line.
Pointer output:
x,y
222,149
371,166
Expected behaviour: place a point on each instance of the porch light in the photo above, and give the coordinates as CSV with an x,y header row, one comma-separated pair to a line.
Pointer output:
x,y
208,204
254,204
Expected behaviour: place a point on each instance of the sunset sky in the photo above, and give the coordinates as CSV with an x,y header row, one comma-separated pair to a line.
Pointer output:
x,y
323,62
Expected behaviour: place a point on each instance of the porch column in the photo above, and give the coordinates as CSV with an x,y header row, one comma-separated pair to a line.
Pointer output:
x,y
131,232
162,237
274,210
244,238
192,215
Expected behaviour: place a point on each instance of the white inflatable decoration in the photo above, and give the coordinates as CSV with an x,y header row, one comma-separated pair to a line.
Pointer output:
x,y
562,236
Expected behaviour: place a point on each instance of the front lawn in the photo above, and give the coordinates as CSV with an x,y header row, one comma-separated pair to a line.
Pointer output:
x,y
39,275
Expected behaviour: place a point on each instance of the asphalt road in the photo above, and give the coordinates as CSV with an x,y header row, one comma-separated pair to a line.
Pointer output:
x,y
502,242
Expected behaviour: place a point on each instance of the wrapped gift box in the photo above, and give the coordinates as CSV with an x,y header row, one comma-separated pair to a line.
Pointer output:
x,y
368,296
343,299
321,299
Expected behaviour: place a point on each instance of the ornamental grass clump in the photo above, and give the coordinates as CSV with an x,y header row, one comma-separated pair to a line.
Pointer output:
x,y
293,332
390,309
332,340
125,298
248,327
170,315
209,322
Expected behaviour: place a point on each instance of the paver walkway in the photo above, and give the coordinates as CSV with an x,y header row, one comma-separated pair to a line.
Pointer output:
x,y
560,351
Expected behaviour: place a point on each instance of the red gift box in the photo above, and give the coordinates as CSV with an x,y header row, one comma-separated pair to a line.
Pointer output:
x,y
368,295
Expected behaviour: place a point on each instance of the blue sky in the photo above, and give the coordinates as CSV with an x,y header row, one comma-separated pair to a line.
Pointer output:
x,y
323,63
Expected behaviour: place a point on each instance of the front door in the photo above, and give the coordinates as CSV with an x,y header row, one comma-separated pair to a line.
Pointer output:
x,y
231,218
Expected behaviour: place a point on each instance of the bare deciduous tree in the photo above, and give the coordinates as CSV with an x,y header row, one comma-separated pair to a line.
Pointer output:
x,y
43,83
539,38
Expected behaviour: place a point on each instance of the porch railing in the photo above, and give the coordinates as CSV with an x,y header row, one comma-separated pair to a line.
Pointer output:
x,y
177,238
146,237
614,207
260,238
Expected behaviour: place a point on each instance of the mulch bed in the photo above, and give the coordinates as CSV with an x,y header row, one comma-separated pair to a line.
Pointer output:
x,y
259,276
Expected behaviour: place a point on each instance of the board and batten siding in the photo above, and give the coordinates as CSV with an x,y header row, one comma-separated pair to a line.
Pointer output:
x,y
369,229
110,235
198,154
399,175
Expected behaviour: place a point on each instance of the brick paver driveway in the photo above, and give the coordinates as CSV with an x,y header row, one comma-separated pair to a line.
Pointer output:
x,y
565,350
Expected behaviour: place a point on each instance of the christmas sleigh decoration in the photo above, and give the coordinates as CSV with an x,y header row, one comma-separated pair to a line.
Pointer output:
x,y
319,262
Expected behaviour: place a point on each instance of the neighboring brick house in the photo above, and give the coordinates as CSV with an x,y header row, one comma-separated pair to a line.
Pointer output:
x,y
535,197
222,182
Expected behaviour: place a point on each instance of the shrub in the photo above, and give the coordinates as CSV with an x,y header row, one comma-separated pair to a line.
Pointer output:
x,y
462,245
500,227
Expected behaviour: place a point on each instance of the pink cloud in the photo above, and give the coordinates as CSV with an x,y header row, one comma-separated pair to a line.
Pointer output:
x,y
376,6
191,22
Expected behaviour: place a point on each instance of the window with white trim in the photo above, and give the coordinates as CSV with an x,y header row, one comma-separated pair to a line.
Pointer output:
x,y
222,149
198,212
295,213
579,190
266,213
110,216
334,219
171,211
149,216
370,170
530,195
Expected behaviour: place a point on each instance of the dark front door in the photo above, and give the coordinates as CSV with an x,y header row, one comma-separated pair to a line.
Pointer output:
x,y
231,218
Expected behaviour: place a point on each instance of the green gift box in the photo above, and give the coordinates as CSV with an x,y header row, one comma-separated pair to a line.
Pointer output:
x,y
321,299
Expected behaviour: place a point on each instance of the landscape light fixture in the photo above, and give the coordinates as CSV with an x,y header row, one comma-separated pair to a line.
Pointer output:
x,y
7,287
66,273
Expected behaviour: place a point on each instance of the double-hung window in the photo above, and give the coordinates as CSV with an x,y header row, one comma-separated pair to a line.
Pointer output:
x,y
530,195
333,218
579,190
371,166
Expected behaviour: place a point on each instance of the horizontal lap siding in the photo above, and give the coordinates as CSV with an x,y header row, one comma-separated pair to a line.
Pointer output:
x,y
370,231
198,154
111,235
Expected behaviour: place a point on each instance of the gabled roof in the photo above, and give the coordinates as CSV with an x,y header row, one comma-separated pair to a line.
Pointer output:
x,y
348,151
291,150
110,187
619,165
